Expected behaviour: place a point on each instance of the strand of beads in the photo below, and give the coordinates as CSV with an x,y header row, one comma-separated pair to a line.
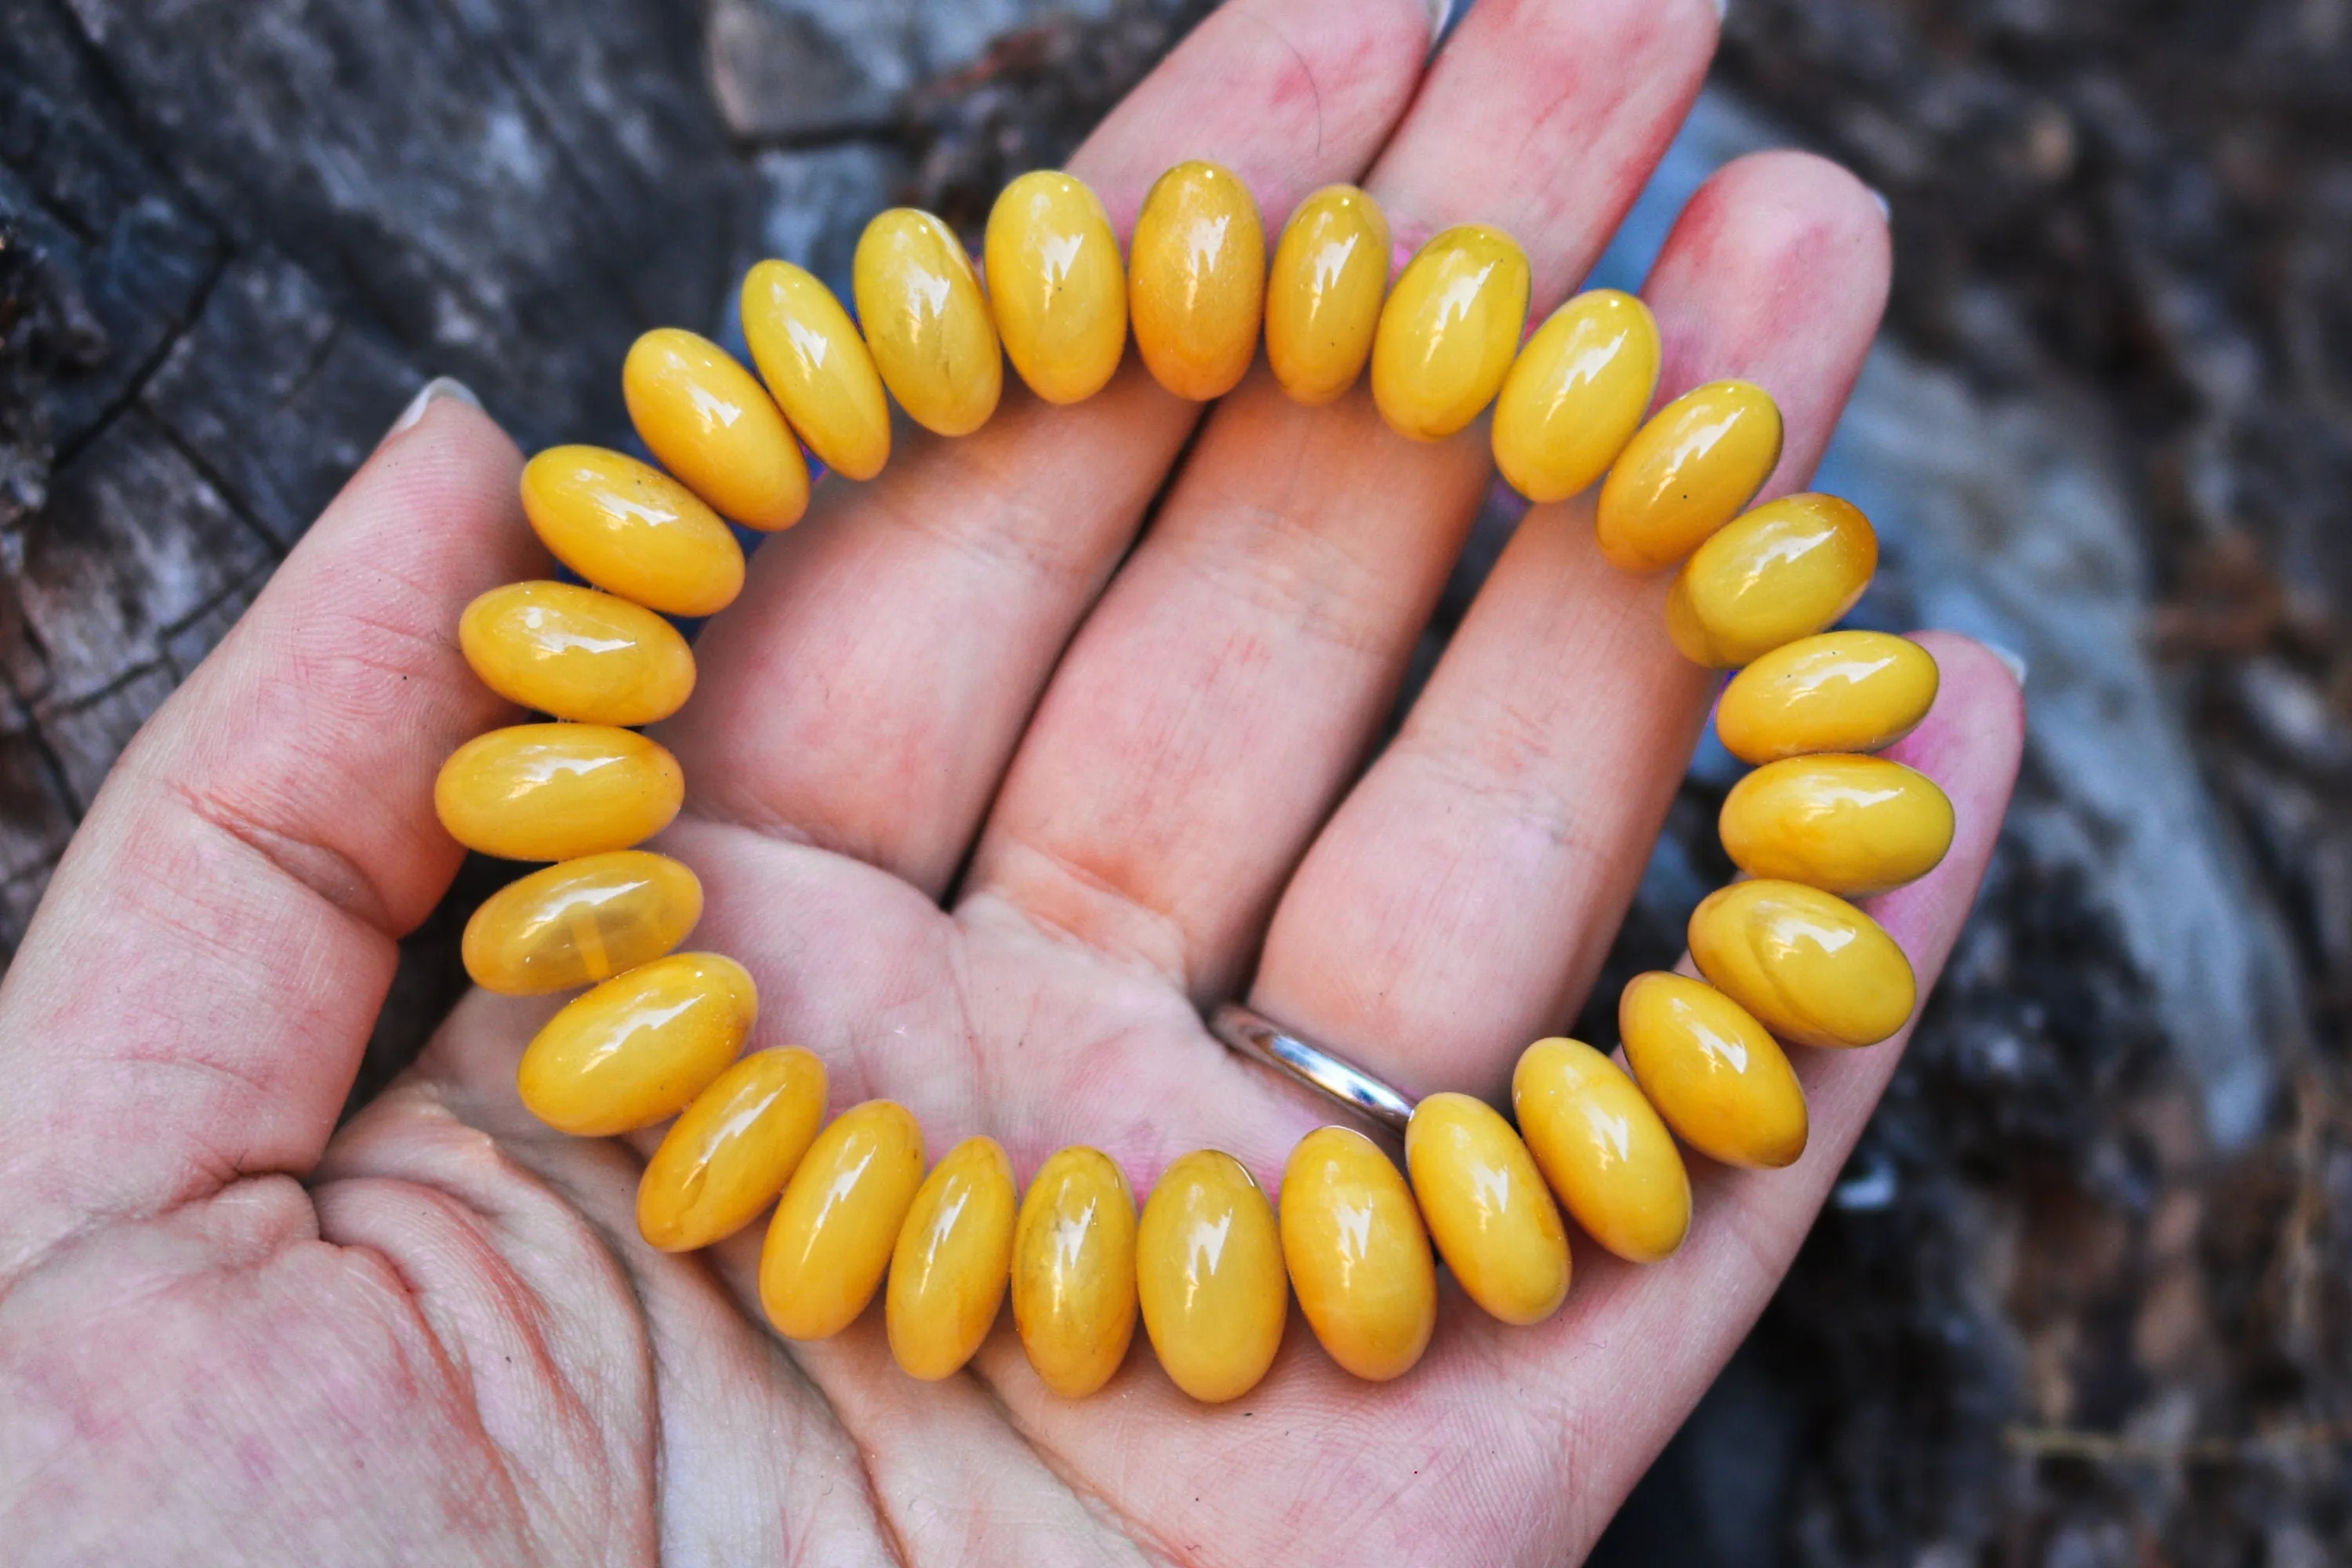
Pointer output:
x,y
658,1034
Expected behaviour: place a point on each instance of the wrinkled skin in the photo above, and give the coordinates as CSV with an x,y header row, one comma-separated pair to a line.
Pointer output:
x,y
991,807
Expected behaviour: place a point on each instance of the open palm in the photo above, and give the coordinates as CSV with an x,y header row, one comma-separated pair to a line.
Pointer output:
x,y
994,789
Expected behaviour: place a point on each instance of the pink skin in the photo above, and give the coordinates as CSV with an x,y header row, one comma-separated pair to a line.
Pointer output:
x,y
229,1332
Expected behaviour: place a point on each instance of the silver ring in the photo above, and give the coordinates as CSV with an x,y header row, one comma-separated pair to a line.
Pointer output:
x,y
1261,1039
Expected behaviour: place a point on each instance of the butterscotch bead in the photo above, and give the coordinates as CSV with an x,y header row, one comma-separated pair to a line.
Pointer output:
x,y
1576,395
1074,1298
1209,1276
555,792
1487,1207
1839,692
817,368
839,1221
1196,280
1812,968
954,1261
1449,331
1603,1149
732,1150
636,1049
709,421
1714,1073
1057,286
1782,572
1686,473
631,527
580,921
1358,1253
927,322
577,653
1323,300
1848,825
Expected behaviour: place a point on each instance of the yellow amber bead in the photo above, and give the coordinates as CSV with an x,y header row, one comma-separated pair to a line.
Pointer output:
x,y
927,323
1840,691
1686,473
1073,1271
555,792
1601,1146
577,653
1208,1274
1811,968
1449,331
1716,1075
582,921
1196,280
817,368
1485,1203
1576,395
638,1047
1358,1253
1782,572
1057,286
627,526
732,1150
1323,298
709,421
954,1261
1851,825
839,1221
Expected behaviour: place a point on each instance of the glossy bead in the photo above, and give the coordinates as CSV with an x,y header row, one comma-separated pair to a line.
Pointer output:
x,y
927,323
637,1048
839,1221
817,368
1813,969
627,526
1485,1205
580,921
1782,572
1208,1273
1358,1253
1323,298
1450,331
1073,1271
1851,825
1576,395
1839,692
1713,1072
954,1260
554,792
1686,473
732,1150
576,653
709,421
1603,1149
1057,286
1196,280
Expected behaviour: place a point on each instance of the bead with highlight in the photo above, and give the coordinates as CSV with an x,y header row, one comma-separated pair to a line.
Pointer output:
x,y
1323,298
954,1260
1601,1146
839,1221
1853,826
555,792
927,323
1782,572
1358,1253
636,1049
709,421
817,368
1450,331
1487,1208
1057,284
1074,1296
1686,473
580,921
1714,1073
1576,395
732,1150
1839,692
630,528
1196,280
1209,1276
577,653
1813,969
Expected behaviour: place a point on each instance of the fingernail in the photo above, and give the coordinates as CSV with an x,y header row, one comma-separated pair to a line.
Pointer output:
x,y
2012,658
432,391
1879,197
1440,13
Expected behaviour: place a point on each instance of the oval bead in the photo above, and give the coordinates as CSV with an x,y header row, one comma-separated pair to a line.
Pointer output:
x,y
839,1219
1576,395
637,1048
1450,331
1487,1208
580,921
927,323
1208,1275
954,1260
709,421
1782,572
1601,1145
1073,1271
1851,826
1058,285
1323,298
1811,968
1196,280
732,1150
554,792
1358,1253
817,368
1686,473
1839,692
1712,1071
627,526
577,653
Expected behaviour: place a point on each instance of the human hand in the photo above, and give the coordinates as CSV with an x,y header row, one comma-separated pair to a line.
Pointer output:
x,y
991,808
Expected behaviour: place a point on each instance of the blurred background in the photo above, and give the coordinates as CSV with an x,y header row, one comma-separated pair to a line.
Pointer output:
x,y
2084,1295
